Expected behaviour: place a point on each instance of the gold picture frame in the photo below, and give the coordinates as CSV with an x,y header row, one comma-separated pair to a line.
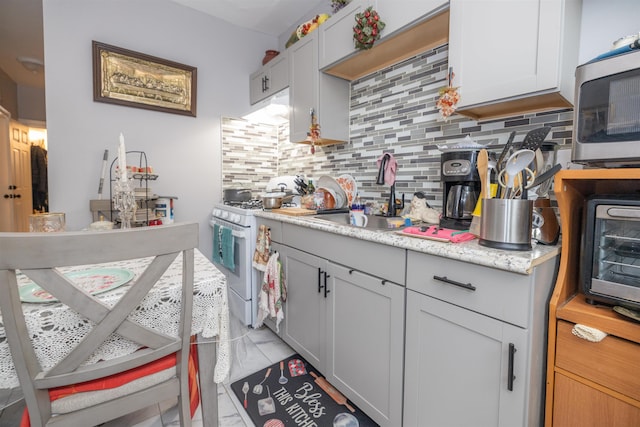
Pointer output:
x,y
133,79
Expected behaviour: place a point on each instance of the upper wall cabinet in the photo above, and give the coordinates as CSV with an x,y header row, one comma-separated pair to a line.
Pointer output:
x,y
412,27
309,89
512,57
270,79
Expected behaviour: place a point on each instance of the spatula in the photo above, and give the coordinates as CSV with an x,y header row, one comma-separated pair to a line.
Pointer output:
x,y
257,389
534,138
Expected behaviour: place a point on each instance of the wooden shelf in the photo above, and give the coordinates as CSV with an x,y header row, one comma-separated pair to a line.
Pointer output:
x,y
578,310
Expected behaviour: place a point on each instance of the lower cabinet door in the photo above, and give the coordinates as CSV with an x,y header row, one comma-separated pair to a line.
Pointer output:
x,y
305,309
457,367
577,404
365,323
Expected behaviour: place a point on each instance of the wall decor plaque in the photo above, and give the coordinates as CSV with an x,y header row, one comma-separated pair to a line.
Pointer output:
x,y
134,79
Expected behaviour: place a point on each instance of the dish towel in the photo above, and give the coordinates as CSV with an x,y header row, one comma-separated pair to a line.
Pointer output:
x,y
272,293
227,241
588,333
390,168
217,244
443,234
223,247
263,248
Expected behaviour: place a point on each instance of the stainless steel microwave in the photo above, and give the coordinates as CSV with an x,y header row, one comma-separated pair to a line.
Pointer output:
x,y
607,112
610,263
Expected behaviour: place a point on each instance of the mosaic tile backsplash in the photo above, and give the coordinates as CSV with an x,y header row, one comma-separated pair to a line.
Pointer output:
x,y
392,110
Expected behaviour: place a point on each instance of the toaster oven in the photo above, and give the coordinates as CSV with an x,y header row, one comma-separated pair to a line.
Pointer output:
x,y
610,270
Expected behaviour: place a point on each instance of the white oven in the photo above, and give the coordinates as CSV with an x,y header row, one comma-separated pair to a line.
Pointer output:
x,y
242,282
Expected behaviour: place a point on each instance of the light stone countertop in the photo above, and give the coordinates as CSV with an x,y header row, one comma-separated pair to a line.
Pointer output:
x,y
521,262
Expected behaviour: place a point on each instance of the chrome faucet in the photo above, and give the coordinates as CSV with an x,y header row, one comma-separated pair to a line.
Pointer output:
x,y
392,205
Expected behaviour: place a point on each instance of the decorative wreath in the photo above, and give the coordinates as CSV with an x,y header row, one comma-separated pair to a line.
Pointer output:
x,y
449,97
367,29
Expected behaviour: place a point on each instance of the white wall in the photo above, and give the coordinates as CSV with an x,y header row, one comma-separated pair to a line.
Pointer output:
x,y
184,151
605,21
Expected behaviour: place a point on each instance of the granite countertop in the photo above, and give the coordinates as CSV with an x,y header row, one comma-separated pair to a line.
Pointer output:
x,y
521,262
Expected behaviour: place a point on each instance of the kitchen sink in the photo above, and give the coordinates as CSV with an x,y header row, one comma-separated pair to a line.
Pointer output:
x,y
376,222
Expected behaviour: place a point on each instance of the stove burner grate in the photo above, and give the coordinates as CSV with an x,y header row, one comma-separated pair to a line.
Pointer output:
x,y
249,204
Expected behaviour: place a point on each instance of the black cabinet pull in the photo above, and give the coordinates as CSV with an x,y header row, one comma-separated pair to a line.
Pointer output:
x,y
320,280
18,196
384,282
6,196
444,279
266,83
351,271
326,288
510,376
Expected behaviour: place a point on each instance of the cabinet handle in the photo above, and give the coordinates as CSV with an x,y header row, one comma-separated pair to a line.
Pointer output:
x,y
266,83
444,279
17,196
326,288
320,280
384,282
351,271
510,376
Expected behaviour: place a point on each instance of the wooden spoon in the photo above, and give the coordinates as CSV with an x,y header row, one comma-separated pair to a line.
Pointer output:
x,y
482,163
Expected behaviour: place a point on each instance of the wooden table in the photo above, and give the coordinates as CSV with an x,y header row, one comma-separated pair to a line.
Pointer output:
x,y
51,324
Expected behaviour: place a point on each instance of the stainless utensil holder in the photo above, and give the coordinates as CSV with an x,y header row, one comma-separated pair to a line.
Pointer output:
x,y
506,224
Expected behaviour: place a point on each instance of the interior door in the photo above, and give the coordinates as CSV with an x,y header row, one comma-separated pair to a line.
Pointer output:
x,y
15,176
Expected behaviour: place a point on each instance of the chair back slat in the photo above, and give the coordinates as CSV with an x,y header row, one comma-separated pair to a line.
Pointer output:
x,y
39,257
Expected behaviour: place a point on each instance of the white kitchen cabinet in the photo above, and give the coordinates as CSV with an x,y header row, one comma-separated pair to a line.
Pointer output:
x,y
475,339
306,307
310,89
400,14
457,364
270,79
513,56
336,33
365,325
348,324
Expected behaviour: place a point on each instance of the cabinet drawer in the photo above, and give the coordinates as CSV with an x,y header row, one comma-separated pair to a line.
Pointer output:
x,y
612,362
500,294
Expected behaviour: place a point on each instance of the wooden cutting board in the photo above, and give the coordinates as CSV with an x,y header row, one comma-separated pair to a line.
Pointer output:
x,y
294,211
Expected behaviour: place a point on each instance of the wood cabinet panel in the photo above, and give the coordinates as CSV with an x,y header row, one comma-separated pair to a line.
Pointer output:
x,y
612,362
577,404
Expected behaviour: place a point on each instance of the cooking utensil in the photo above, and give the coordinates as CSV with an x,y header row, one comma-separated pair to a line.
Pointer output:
x,y
267,405
257,389
331,391
534,138
236,194
543,181
482,164
282,379
273,201
505,150
516,163
245,390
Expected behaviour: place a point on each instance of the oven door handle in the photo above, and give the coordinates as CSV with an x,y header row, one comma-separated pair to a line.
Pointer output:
x,y
235,233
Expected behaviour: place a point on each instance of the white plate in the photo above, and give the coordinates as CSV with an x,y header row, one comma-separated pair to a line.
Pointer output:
x,y
330,183
94,281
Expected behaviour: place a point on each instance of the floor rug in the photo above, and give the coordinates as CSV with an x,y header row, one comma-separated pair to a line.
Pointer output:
x,y
293,393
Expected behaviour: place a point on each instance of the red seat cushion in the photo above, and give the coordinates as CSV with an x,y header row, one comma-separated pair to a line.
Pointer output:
x,y
122,378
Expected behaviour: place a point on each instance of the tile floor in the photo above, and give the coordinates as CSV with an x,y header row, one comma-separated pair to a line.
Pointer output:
x,y
253,350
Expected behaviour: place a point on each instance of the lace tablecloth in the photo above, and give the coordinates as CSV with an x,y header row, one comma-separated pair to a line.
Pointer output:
x,y
53,325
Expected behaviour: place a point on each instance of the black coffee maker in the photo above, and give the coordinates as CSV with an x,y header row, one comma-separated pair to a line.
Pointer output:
x,y
461,188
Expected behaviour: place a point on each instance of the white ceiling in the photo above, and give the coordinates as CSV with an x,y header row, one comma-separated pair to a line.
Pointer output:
x,y
21,26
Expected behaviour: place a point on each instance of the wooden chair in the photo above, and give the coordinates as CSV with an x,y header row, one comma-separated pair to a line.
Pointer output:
x,y
37,255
